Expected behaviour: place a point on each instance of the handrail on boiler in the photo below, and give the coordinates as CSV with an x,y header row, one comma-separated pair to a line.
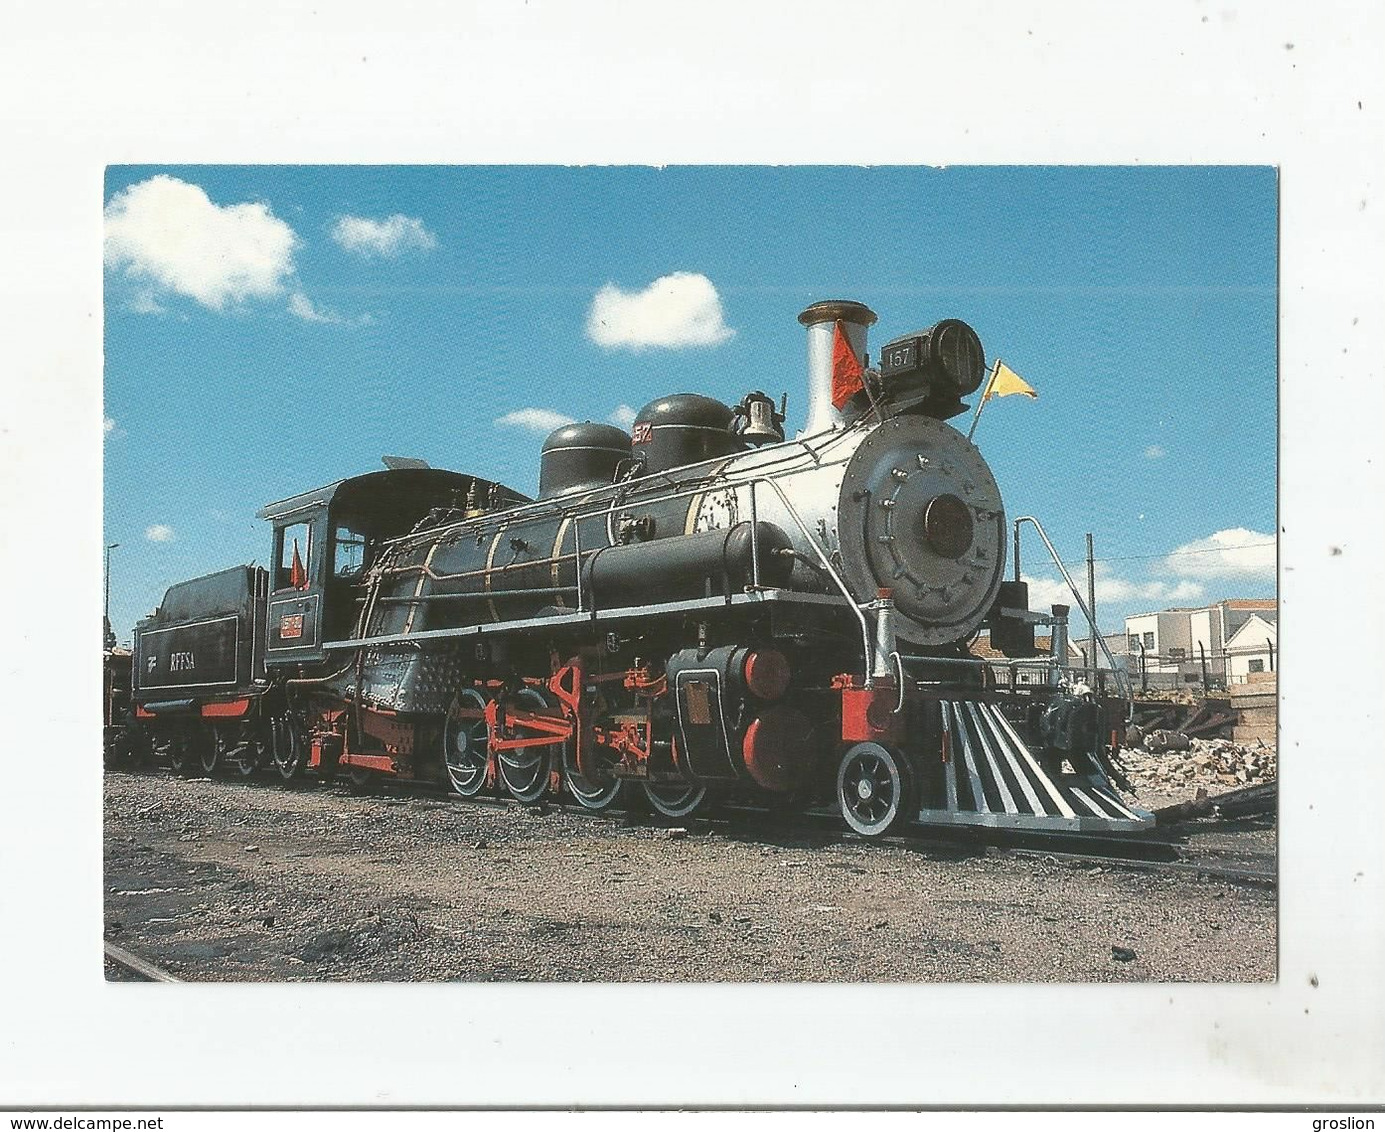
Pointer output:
x,y
1122,677
822,559
793,514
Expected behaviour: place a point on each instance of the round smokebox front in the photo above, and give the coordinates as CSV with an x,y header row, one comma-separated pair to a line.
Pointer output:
x,y
920,515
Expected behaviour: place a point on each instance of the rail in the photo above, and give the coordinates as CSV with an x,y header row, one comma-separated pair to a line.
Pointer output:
x,y
1122,677
141,968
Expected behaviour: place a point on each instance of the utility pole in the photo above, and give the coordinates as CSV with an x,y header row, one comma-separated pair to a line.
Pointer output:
x,y
1091,607
106,609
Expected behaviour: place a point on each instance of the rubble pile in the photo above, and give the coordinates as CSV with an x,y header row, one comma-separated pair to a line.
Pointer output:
x,y
1171,760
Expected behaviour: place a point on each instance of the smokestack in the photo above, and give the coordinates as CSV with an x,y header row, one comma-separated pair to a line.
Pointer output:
x,y
821,320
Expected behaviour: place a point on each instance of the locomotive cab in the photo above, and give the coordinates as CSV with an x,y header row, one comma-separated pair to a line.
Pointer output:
x,y
326,540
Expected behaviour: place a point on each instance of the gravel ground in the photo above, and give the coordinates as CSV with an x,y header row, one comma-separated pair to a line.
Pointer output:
x,y
227,881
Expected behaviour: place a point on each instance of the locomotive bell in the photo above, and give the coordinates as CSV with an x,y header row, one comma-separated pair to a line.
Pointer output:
x,y
764,424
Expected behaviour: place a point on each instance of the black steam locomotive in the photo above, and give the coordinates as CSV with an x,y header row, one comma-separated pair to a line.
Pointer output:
x,y
698,609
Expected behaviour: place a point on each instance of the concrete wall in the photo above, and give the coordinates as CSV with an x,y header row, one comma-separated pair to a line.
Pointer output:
x,y
1257,711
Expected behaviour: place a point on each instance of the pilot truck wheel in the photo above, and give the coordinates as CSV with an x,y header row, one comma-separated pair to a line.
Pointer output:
x,y
874,789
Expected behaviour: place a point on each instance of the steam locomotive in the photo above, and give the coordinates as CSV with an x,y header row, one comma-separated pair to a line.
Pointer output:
x,y
698,610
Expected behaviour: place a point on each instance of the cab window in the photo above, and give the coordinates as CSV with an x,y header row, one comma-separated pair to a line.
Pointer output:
x,y
348,553
291,563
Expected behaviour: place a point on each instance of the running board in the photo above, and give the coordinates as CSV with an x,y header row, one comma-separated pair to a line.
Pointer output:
x,y
991,778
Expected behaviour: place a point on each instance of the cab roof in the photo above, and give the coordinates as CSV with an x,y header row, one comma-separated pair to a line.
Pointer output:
x,y
391,489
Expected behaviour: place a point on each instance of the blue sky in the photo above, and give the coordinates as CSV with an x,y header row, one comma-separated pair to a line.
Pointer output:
x,y
269,329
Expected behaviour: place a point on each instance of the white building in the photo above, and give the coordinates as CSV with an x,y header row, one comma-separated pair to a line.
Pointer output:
x,y
1164,638
1253,648
1174,645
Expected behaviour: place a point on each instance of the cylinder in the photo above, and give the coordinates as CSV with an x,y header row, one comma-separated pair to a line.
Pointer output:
x,y
766,673
821,320
776,748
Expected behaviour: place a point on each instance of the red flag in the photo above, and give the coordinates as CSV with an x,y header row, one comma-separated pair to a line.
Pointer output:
x,y
298,576
846,369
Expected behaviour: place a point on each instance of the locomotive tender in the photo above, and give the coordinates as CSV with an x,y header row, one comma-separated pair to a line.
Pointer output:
x,y
700,608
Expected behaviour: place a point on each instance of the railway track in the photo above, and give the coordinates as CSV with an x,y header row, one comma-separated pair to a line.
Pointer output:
x,y
1159,853
140,969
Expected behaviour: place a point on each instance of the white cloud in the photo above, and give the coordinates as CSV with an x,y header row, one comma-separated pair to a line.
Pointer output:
x,y
1110,588
169,237
682,309
534,420
388,237
622,415
1233,553
144,303
1154,452
159,532
302,307
107,425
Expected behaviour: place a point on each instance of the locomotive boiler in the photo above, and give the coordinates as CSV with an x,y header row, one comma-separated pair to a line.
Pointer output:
x,y
699,609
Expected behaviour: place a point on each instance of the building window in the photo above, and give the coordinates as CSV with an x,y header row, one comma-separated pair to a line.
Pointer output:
x,y
1256,666
1149,640
1134,642
1176,653
1190,677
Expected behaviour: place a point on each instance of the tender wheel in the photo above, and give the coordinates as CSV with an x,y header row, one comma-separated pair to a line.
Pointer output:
x,y
675,799
874,789
466,743
248,762
178,748
288,748
208,751
118,748
594,793
525,770
229,739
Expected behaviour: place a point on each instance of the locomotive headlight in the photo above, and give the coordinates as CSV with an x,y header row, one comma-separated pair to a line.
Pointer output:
x,y
955,350
949,352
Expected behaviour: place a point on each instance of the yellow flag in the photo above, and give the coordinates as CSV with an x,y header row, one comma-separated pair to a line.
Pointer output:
x,y
1006,381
